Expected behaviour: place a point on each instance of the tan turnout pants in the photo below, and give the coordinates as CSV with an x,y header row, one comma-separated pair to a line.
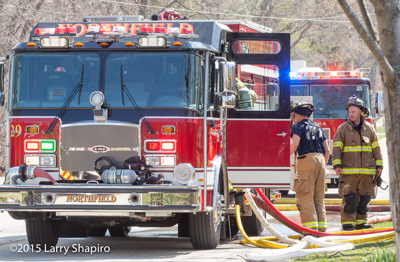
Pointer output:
x,y
356,191
309,185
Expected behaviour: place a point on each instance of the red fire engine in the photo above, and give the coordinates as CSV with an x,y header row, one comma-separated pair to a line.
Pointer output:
x,y
329,91
120,122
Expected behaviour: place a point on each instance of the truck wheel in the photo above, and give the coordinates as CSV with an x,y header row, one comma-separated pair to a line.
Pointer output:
x,y
97,231
204,230
183,227
205,227
119,231
251,225
284,192
42,232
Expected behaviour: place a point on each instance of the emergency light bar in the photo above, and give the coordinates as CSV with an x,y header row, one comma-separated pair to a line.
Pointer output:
x,y
325,75
106,30
67,31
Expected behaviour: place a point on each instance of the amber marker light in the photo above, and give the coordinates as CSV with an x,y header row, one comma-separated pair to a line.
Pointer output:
x,y
129,44
30,44
78,44
103,44
32,130
168,130
177,44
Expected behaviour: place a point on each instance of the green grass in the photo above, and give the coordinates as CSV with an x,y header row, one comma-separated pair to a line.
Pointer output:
x,y
382,132
363,252
384,224
381,129
382,255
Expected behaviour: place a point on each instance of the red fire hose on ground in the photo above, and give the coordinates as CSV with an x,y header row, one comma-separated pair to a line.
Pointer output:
x,y
380,219
268,207
338,208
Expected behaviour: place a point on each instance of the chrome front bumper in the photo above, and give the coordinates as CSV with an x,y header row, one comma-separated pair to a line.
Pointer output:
x,y
99,198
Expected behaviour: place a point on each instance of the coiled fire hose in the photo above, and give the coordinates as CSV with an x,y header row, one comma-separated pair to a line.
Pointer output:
x,y
328,244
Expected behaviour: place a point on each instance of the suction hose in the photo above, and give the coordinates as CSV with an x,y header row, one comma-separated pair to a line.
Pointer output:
x,y
265,223
300,229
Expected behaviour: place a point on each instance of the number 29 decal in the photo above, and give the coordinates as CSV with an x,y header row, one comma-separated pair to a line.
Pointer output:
x,y
15,131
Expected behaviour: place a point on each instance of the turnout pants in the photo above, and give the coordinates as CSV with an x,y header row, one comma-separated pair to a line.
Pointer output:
x,y
356,192
309,185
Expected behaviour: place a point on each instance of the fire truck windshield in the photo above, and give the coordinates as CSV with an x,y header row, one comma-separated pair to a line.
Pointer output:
x,y
44,80
156,79
330,100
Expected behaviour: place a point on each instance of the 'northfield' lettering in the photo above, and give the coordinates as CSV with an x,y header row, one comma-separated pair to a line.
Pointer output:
x,y
91,198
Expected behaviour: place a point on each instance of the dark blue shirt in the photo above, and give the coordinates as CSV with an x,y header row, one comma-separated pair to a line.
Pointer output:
x,y
301,129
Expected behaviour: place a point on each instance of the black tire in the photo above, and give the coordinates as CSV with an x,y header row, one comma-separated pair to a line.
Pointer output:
x,y
97,231
233,230
42,232
252,226
119,231
284,192
204,233
183,227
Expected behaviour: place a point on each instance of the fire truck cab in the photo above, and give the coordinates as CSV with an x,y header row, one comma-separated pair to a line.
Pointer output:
x,y
329,91
118,122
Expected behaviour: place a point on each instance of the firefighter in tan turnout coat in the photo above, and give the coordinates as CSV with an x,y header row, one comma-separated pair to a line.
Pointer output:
x,y
309,143
356,158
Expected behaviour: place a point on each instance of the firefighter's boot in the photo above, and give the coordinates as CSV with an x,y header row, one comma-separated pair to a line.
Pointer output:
x,y
348,227
364,226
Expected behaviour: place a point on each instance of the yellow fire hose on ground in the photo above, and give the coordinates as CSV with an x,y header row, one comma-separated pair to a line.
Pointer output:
x,y
332,201
323,244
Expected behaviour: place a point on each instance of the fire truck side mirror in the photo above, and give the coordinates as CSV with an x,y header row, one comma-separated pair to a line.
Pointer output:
x,y
227,76
379,103
226,100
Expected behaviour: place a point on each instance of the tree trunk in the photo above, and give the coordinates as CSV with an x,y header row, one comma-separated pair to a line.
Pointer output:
x,y
387,53
389,35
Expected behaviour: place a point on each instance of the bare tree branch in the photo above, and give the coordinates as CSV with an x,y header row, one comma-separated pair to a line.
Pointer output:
x,y
302,33
170,4
369,41
367,19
